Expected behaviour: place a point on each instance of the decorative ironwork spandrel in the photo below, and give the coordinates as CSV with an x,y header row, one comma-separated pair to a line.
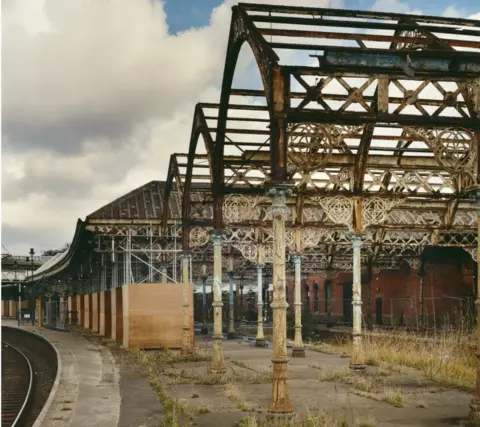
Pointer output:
x,y
375,210
310,145
338,209
199,237
473,253
454,148
238,208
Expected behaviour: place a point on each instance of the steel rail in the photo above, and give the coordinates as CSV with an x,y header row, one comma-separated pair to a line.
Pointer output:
x,y
28,391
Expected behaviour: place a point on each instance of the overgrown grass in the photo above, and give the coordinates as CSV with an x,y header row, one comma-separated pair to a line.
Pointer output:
x,y
181,376
332,375
394,398
448,358
233,394
368,421
154,363
322,420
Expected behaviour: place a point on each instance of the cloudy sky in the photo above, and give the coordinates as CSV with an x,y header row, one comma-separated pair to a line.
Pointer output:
x,y
97,94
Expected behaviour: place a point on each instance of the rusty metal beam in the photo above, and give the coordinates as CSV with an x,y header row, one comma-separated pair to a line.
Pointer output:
x,y
337,23
329,97
364,37
242,29
359,14
167,192
373,161
364,118
339,71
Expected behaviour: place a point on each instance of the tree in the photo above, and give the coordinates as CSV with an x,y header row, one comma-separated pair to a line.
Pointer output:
x,y
52,252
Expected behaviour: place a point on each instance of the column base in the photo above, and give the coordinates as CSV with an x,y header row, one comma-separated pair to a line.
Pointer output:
x,y
220,371
474,416
357,366
260,342
280,405
217,365
280,416
298,352
231,336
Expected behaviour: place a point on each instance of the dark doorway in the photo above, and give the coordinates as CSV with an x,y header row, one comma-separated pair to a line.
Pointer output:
x,y
328,296
379,311
347,301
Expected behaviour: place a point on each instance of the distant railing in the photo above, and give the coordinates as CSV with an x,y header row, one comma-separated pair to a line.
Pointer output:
x,y
37,259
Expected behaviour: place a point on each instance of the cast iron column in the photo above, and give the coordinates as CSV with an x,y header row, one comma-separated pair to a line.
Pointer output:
x,y
298,348
204,299
475,404
217,365
186,342
231,325
260,339
280,403
422,300
358,358
163,274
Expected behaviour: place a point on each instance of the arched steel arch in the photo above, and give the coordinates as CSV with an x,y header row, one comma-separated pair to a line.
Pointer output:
x,y
172,174
242,29
199,127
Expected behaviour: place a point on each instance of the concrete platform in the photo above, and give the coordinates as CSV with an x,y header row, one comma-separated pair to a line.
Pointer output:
x,y
92,389
426,404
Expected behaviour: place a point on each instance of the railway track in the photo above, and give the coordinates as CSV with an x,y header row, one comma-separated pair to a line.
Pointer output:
x,y
43,361
17,385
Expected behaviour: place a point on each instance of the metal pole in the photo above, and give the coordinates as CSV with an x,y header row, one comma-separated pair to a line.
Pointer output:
x,y
175,257
422,301
150,255
298,348
280,403
260,340
231,325
217,365
186,343
475,403
358,359
19,302
163,274
204,299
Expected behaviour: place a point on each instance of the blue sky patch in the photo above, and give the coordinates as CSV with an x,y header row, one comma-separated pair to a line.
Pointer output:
x,y
185,14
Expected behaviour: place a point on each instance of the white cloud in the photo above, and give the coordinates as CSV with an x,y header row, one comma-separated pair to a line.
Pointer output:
x,y
452,12
394,6
96,97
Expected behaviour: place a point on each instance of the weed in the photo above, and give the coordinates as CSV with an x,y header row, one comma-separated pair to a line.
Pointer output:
x,y
322,420
368,421
421,404
337,374
394,398
448,359
233,394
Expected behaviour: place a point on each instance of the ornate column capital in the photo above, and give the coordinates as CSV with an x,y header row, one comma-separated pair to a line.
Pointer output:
x,y
279,194
277,190
297,258
217,237
356,239
203,271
